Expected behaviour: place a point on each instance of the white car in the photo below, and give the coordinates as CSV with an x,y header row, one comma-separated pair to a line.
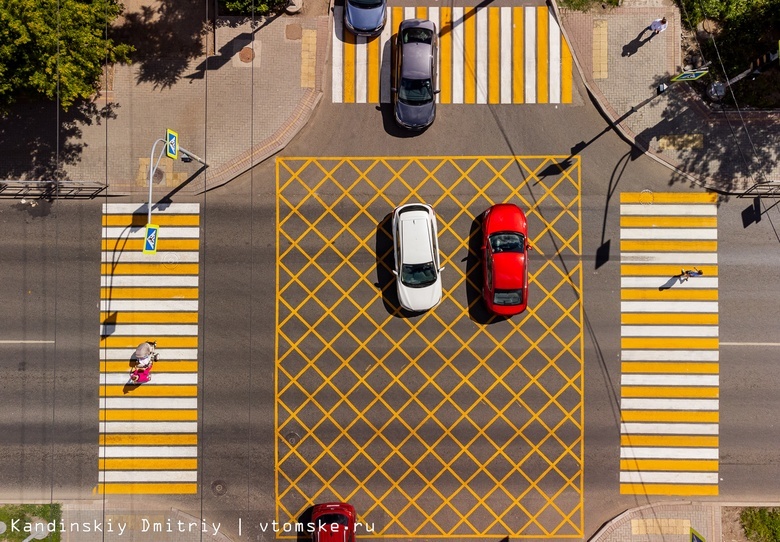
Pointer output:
x,y
416,255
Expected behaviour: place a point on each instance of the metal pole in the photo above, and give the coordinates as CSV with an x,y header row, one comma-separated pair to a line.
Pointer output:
x,y
152,169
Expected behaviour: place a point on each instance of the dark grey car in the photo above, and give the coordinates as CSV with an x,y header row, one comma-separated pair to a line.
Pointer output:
x,y
416,64
365,17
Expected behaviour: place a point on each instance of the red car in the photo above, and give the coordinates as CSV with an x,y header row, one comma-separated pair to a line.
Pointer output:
x,y
333,522
505,259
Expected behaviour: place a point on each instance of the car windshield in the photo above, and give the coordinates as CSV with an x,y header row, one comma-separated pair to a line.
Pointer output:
x,y
417,35
415,91
418,275
330,519
366,3
508,297
507,242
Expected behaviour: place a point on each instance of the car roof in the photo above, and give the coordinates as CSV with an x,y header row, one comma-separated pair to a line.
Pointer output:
x,y
509,270
416,57
415,231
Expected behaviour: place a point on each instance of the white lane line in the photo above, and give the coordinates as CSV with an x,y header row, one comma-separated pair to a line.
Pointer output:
x,y
668,380
167,232
166,354
170,258
682,330
140,208
150,330
386,54
147,476
17,341
150,403
748,344
506,55
630,452
433,16
682,258
675,477
669,306
629,209
148,427
337,88
457,55
120,379
482,55
144,305
669,404
147,451
156,281
691,234
361,69
694,283
529,49
669,428
554,62
669,355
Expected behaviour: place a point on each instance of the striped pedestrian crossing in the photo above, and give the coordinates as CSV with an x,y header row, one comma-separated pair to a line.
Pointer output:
x,y
148,433
487,55
669,431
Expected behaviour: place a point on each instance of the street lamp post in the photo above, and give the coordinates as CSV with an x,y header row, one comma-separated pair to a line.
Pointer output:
x,y
152,169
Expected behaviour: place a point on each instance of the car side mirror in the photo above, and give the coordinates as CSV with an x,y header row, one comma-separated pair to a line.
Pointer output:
x,y
442,268
528,246
437,91
395,272
393,89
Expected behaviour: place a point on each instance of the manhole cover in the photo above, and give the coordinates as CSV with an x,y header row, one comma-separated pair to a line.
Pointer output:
x,y
158,177
171,260
247,54
219,487
293,438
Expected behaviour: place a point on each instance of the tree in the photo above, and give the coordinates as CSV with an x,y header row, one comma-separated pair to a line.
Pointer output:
x,y
56,48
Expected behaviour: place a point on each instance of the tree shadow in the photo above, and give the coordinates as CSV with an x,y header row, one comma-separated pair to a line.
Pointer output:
x,y
37,141
166,37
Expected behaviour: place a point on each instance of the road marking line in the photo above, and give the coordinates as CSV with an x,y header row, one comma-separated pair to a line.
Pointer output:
x,y
668,477
669,428
554,63
668,210
668,380
638,452
530,54
668,404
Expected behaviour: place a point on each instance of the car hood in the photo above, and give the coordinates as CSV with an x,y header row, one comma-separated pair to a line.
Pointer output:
x,y
419,299
415,115
365,18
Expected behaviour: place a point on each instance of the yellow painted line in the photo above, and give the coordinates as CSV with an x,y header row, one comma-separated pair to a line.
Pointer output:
x,y
687,392
668,221
672,294
150,317
704,465
161,366
117,341
668,271
421,12
398,17
675,343
148,269
494,58
668,489
567,81
667,197
469,55
669,367
349,67
671,245
145,439
671,416
148,391
158,463
148,293
685,441
140,415
147,489
542,54
445,52
665,318
159,219
374,69
137,245
518,55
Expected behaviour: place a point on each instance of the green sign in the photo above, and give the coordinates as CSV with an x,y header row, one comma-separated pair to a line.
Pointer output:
x,y
690,76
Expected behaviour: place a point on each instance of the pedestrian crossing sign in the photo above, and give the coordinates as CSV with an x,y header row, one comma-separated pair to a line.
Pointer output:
x,y
696,537
171,144
691,75
150,240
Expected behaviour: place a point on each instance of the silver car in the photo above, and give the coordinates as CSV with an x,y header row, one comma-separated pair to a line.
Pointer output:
x,y
416,257
365,17
416,66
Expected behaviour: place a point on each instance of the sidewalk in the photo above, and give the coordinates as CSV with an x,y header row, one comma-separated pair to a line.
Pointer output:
x,y
704,145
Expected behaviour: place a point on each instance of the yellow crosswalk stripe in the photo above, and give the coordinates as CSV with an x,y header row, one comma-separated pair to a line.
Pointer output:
x,y
669,367
668,416
669,464
668,197
666,318
669,489
147,489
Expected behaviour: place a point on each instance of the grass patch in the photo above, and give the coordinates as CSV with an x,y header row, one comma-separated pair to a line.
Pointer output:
x,y
761,524
30,513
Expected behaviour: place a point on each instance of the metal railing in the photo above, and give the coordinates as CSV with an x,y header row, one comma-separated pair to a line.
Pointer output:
x,y
14,189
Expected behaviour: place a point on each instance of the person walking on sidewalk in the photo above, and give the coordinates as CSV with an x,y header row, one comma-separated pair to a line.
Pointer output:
x,y
658,26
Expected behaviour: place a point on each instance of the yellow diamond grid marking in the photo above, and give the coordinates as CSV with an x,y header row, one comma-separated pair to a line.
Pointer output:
x,y
535,483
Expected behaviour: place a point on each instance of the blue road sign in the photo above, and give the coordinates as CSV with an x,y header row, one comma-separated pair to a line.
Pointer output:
x,y
171,144
150,241
690,76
